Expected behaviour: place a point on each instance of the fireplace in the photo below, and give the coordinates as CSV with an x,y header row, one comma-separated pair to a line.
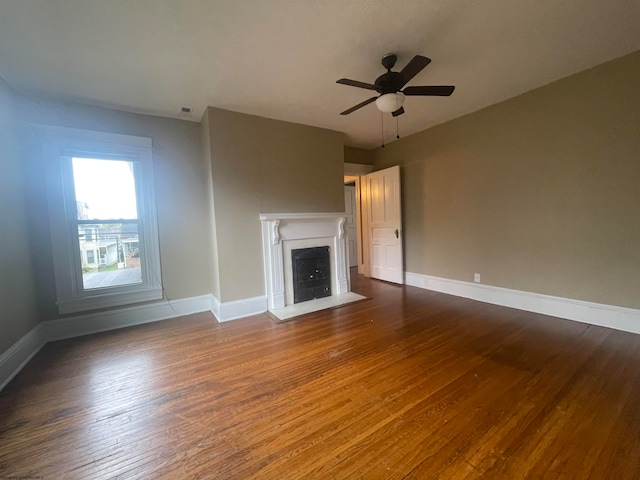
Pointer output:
x,y
311,273
283,233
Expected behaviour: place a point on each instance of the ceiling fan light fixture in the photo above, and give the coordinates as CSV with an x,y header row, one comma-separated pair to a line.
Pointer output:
x,y
389,102
391,84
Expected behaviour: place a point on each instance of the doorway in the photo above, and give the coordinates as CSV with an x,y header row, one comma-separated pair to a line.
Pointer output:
x,y
382,225
378,221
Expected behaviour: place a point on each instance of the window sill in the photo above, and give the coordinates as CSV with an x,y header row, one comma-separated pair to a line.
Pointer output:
x,y
96,302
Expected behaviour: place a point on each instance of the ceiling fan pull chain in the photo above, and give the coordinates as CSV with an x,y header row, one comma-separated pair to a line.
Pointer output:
x,y
382,127
397,127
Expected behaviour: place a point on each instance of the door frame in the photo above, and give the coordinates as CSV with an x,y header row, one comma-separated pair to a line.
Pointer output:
x,y
356,221
353,173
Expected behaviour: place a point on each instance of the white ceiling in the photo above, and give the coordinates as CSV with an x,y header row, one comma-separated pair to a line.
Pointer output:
x,y
281,58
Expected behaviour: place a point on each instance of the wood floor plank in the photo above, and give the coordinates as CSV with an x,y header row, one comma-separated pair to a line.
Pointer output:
x,y
408,384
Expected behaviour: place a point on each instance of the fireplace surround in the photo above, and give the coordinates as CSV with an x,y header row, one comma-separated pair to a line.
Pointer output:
x,y
284,232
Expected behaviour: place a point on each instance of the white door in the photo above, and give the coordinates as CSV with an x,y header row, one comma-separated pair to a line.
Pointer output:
x,y
352,231
385,225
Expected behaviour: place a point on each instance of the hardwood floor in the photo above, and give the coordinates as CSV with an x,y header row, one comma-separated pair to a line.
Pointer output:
x,y
409,384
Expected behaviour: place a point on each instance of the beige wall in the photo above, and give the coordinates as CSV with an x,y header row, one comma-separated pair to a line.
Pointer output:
x,y
358,155
539,193
265,166
17,287
181,193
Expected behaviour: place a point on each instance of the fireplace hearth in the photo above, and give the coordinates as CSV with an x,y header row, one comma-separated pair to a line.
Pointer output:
x,y
311,273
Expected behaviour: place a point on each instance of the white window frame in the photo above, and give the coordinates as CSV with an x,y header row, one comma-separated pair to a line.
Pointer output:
x,y
59,146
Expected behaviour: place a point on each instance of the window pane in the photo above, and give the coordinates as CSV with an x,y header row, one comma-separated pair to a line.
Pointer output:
x,y
105,189
110,255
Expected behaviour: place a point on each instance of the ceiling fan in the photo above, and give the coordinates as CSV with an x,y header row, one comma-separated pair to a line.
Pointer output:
x,y
390,84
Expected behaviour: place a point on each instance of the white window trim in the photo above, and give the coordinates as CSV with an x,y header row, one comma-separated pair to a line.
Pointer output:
x,y
59,145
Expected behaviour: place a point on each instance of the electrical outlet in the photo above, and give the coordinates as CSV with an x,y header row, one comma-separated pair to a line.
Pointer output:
x,y
476,277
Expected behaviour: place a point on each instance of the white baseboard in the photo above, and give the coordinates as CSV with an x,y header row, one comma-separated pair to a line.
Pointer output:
x,y
123,317
215,306
17,356
241,308
619,318
191,305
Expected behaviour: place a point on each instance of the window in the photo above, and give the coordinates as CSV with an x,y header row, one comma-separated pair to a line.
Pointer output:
x,y
105,194
103,222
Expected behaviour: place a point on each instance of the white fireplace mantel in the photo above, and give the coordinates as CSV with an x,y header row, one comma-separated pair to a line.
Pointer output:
x,y
283,231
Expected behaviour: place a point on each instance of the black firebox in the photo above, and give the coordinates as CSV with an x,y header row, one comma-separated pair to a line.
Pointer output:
x,y
311,273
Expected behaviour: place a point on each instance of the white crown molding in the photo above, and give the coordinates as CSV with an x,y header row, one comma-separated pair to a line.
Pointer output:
x,y
619,318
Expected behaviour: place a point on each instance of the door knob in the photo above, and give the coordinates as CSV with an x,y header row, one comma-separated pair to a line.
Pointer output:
x,y
397,233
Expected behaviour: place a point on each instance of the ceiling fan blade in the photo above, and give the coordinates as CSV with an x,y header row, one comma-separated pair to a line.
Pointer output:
x,y
360,105
398,112
412,68
436,90
355,83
